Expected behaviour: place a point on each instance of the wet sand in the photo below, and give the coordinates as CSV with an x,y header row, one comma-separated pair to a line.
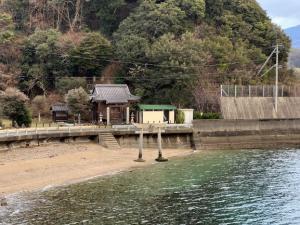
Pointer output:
x,y
29,169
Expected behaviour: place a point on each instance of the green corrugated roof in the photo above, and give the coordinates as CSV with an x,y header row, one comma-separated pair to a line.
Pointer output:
x,y
156,107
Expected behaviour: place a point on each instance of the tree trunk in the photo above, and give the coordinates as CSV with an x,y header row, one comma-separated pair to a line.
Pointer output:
x,y
77,16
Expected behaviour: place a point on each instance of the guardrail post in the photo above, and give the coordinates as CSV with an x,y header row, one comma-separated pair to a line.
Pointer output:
x,y
235,91
221,90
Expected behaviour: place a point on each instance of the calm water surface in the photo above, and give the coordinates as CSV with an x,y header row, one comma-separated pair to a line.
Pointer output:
x,y
217,187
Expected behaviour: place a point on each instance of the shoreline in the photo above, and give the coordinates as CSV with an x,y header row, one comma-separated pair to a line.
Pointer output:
x,y
46,167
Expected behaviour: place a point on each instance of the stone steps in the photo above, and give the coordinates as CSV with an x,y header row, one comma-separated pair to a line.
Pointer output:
x,y
109,141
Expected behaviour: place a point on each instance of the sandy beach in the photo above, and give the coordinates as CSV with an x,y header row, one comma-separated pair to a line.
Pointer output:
x,y
29,169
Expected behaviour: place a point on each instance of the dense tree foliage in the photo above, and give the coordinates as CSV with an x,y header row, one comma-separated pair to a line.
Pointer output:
x,y
78,102
48,56
167,51
65,84
218,42
41,62
6,28
91,56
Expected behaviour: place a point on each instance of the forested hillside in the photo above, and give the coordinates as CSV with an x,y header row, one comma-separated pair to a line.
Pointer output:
x,y
167,51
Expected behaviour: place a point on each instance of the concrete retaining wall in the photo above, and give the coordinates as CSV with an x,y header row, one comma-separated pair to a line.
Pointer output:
x,y
260,108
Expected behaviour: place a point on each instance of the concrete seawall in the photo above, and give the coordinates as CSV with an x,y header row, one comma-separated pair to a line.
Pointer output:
x,y
246,134
169,141
172,138
206,134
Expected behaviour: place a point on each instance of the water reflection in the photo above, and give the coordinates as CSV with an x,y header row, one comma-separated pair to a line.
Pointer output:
x,y
217,187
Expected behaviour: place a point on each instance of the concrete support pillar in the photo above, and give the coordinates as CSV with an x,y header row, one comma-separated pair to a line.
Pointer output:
x,y
127,115
99,139
141,147
159,143
108,116
159,140
141,144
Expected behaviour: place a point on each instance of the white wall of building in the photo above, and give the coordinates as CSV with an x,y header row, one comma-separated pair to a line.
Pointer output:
x,y
172,116
188,115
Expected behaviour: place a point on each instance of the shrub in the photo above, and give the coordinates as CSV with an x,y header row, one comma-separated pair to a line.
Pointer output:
x,y
24,118
14,106
18,112
180,117
206,116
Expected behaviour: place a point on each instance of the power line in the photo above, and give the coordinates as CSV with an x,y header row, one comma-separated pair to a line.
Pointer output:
x,y
157,64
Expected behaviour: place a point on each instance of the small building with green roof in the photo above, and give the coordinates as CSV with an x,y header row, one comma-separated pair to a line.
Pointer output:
x,y
156,113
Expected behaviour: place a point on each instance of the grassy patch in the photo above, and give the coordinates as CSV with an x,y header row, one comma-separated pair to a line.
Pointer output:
x,y
5,123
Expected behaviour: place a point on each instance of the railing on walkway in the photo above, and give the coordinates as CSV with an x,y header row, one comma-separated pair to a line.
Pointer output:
x,y
33,131
73,129
259,91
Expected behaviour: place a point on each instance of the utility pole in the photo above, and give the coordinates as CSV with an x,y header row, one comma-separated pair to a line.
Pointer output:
x,y
276,66
276,82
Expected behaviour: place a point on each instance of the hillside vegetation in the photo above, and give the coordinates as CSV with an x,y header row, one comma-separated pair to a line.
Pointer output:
x,y
167,51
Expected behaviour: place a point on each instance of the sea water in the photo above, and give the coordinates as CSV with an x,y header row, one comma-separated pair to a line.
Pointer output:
x,y
210,187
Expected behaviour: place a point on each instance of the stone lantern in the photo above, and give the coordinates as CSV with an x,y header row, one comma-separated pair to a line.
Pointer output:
x,y
132,118
100,118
